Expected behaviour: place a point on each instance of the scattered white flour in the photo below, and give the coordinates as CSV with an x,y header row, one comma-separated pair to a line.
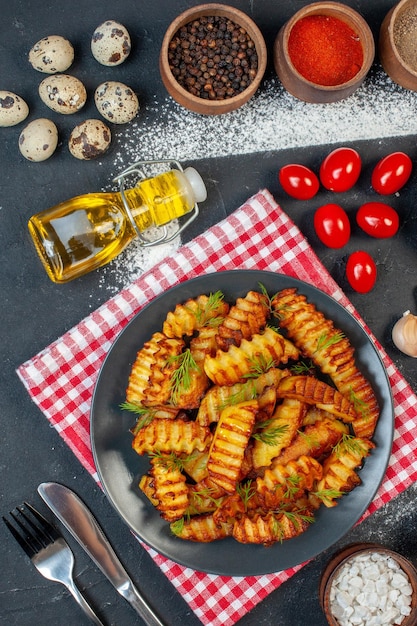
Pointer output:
x,y
272,120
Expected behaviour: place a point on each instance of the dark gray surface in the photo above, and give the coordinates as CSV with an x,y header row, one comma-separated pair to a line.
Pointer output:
x,y
34,311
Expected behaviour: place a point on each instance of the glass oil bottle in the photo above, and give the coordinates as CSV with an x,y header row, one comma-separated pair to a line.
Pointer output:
x,y
88,231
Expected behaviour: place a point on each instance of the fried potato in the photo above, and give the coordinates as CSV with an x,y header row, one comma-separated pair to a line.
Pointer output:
x,y
150,377
339,469
270,528
313,391
165,436
169,488
282,484
331,351
194,315
201,528
315,440
278,432
246,318
235,365
229,443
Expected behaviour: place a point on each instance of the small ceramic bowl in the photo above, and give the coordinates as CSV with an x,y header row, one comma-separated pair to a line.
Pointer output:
x,y
294,82
349,554
200,104
399,31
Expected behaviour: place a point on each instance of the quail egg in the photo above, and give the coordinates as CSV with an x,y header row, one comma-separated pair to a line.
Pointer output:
x,y
110,43
89,140
63,93
13,109
38,140
51,54
116,102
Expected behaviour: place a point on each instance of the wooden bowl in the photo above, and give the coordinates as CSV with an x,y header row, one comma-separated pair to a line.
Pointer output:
x,y
341,558
392,61
298,85
200,104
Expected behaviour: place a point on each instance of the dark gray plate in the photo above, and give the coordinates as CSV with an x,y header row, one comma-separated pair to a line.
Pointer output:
x,y
120,468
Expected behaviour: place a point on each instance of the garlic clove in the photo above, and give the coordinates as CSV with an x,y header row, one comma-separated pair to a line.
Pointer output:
x,y
404,334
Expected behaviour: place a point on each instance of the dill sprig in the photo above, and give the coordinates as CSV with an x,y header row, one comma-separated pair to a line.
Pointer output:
x,y
246,391
171,461
269,432
145,415
359,405
246,492
259,365
349,443
206,315
325,341
302,367
181,377
327,494
292,486
177,527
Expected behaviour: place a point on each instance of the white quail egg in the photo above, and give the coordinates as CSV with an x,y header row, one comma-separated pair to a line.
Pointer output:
x,y
89,140
38,140
51,54
13,109
63,93
116,102
110,43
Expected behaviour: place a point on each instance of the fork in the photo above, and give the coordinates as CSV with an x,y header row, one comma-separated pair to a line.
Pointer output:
x,y
48,551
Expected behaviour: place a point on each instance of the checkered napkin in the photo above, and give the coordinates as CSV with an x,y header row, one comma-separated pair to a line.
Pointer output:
x,y
61,378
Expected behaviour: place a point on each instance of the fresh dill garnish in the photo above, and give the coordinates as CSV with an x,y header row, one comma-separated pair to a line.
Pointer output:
x,y
325,341
292,486
177,527
359,405
302,367
245,391
171,461
269,432
259,365
205,315
349,443
327,494
205,494
246,492
145,415
296,517
181,376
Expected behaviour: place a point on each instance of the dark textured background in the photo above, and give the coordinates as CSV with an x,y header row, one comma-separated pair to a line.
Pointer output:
x,y
34,311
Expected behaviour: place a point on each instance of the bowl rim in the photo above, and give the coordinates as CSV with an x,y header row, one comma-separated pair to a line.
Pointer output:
x,y
340,558
396,10
241,19
339,10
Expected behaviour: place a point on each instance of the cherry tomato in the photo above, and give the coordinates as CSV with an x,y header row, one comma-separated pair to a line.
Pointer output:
x,y
332,225
378,219
391,173
340,169
361,271
299,181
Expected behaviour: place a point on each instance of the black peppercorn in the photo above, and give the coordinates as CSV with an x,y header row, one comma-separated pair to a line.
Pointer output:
x,y
213,58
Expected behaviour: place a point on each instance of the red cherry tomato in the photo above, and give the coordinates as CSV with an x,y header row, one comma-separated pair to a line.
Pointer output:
x,y
340,169
332,225
378,219
361,271
391,173
299,181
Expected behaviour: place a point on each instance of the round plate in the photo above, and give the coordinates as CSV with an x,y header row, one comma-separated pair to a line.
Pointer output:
x,y
120,468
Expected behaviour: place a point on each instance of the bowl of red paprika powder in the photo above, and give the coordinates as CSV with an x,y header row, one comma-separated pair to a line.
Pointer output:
x,y
324,52
398,44
213,58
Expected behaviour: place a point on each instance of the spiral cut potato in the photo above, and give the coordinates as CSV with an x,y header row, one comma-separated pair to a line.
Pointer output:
x,y
253,415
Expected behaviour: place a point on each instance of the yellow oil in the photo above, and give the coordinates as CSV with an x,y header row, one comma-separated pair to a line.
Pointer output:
x,y
88,231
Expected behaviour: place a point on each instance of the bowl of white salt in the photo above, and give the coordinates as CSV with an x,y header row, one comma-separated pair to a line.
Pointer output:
x,y
369,584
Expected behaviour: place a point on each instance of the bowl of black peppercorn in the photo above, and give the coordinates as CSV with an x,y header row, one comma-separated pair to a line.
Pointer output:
x,y
213,58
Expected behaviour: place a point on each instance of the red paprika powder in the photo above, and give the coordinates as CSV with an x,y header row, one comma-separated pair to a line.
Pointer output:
x,y
325,50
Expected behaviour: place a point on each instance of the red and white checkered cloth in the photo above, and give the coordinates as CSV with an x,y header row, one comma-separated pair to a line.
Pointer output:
x,y
61,378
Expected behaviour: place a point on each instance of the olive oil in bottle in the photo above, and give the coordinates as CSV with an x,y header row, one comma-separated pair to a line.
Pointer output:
x,y
88,231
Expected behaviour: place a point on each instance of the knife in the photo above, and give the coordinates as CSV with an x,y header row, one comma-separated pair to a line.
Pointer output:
x,y
80,522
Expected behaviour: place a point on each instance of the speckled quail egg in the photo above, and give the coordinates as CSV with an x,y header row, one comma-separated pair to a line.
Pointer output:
x,y
116,102
38,140
13,109
63,93
89,140
51,54
110,43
